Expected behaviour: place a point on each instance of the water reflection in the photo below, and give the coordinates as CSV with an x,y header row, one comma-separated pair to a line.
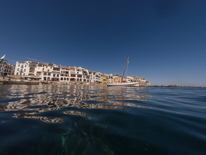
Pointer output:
x,y
72,112
43,119
34,101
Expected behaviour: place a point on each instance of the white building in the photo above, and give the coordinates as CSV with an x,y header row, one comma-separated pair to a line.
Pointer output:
x,y
44,71
142,80
52,72
92,76
135,79
79,74
25,68
131,79
98,77
64,74
6,68
111,78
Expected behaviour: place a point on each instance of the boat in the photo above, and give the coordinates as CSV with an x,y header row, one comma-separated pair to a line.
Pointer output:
x,y
133,84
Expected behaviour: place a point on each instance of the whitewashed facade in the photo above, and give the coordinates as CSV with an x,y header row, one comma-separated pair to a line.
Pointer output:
x,y
110,78
52,72
44,71
135,79
25,68
6,68
130,79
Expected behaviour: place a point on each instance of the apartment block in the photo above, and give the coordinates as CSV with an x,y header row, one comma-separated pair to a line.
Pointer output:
x,y
105,79
25,68
6,68
52,72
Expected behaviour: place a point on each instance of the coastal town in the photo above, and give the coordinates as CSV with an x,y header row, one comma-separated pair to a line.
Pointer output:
x,y
49,73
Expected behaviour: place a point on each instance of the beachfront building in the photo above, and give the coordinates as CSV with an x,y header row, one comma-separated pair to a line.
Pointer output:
x,y
142,80
110,78
105,79
74,74
131,79
92,75
98,77
117,79
78,74
25,68
6,68
55,75
86,76
44,71
64,74
52,72
136,79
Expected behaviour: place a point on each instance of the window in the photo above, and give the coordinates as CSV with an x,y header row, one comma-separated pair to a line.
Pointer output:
x,y
25,70
53,75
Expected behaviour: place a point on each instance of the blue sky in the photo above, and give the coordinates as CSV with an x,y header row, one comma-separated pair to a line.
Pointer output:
x,y
165,39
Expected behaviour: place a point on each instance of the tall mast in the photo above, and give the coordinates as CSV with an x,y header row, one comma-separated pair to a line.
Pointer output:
x,y
125,68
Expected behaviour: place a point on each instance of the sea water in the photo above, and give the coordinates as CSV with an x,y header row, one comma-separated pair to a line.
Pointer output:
x,y
100,120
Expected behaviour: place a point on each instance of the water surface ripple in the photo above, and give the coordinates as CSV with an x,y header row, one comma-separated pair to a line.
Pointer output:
x,y
99,120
